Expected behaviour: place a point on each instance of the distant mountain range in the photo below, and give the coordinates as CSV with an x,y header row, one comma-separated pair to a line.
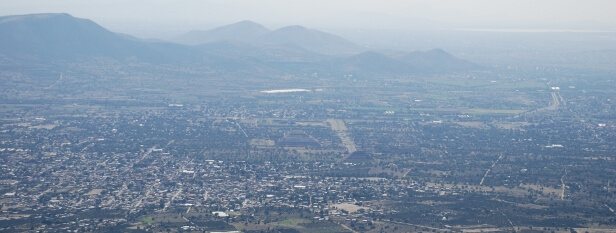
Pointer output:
x,y
243,46
256,34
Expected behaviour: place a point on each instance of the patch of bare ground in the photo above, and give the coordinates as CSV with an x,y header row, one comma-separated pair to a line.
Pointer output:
x,y
472,124
596,230
351,208
514,125
262,142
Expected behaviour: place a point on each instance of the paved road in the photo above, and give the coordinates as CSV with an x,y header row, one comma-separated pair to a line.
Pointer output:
x,y
489,169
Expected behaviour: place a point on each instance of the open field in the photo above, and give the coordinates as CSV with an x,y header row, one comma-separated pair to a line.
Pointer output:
x,y
351,208
95,192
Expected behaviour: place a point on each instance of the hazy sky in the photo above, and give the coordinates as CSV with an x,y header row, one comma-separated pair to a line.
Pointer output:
x,y
141,16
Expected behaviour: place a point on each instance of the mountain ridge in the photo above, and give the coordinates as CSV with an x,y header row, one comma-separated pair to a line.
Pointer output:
x,y
244,31
256,34
310,39
64,37
50,37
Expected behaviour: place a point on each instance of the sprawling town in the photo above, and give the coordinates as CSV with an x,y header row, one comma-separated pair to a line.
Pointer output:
x,y
360,156
247,128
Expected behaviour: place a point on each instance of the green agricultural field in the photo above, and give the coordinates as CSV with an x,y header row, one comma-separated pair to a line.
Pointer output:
x,y
147,220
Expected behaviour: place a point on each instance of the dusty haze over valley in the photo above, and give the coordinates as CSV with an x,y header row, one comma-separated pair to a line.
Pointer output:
x,y
307,116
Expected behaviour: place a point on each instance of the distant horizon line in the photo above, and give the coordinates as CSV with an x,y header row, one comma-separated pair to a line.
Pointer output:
x,y
530,30
467,29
